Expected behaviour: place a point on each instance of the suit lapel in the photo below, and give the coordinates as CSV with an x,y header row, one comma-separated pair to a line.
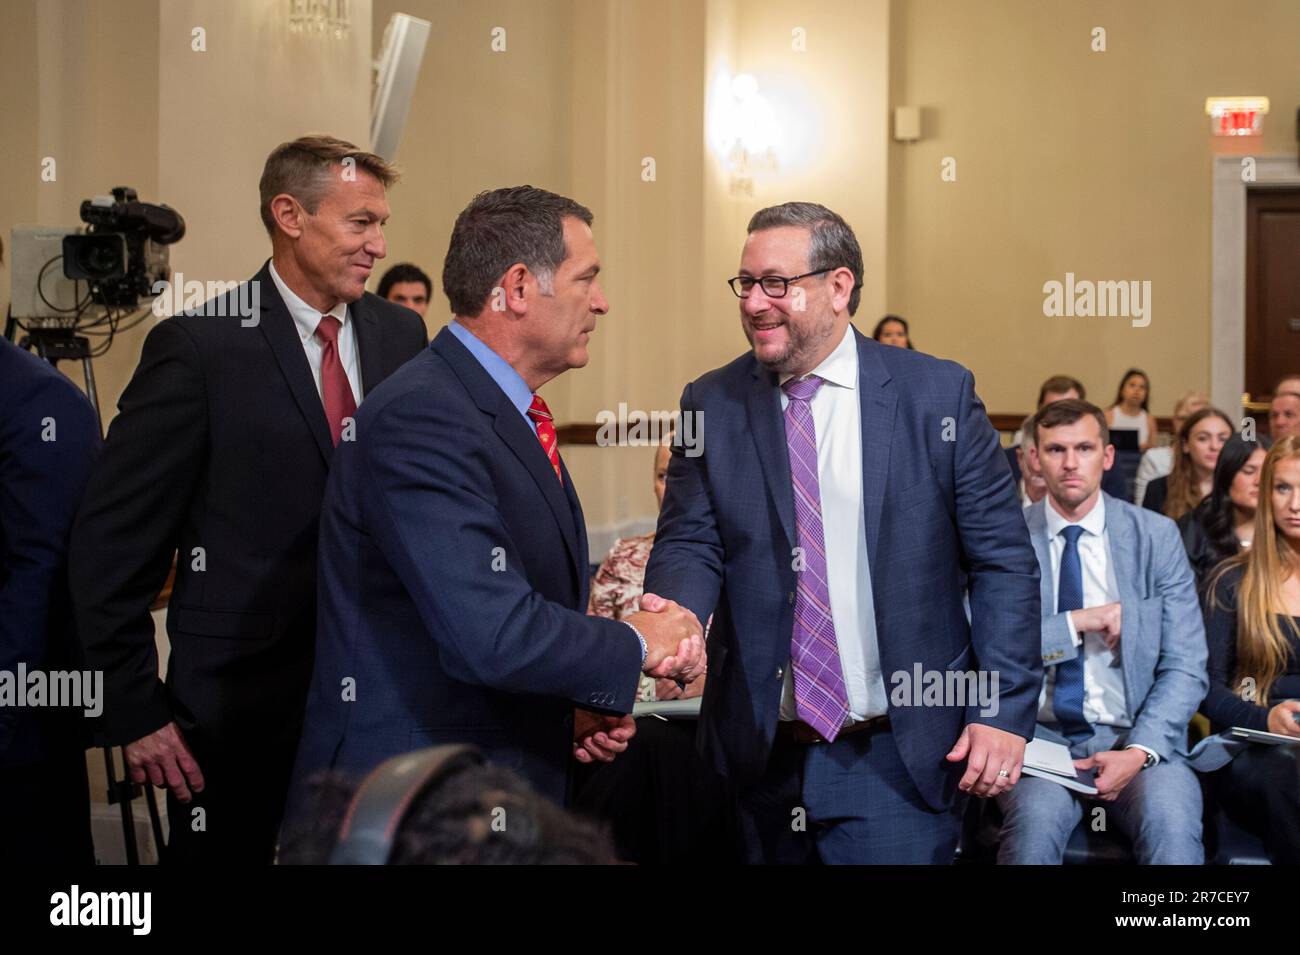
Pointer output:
x,y
517,435
1123,551
877,409
767,425
366,328
1036,520
580,529
282,335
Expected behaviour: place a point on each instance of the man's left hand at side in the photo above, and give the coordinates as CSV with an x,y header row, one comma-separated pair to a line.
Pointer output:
x,y
987,750
598,738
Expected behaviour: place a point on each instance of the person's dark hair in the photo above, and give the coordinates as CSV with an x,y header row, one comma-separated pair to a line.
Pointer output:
x,y
880,328
1068,411
499,229
453,824
1059,385
304,169
403,272
832,244
1133,373
1215,513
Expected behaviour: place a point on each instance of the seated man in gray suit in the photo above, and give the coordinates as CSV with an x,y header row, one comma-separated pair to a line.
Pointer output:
x,y
1123,653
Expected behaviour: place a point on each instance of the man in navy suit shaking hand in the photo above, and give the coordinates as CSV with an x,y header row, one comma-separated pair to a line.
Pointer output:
x,y
453,556
849,498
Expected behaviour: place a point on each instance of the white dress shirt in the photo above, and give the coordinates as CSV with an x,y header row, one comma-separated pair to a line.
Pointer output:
x,y
1103,678
307,319
837,419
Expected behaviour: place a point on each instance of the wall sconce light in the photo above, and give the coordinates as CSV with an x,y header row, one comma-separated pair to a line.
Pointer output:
x,y
745,132
1236,115
320,17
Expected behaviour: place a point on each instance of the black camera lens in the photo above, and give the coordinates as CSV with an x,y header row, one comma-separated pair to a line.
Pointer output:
x,y
94,258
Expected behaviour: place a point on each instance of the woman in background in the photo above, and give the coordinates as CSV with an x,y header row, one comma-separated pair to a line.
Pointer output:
x,y
893,330
1197,452
1159,461
1223,524
1129,412
1252,629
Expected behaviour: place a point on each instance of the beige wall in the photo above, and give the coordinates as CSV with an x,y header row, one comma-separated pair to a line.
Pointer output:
x,y
670,244
70,95
1070,161
117,96
1067,160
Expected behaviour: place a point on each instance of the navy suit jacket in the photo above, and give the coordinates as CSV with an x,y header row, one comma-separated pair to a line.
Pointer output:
x,y
453,585
41,483
942,517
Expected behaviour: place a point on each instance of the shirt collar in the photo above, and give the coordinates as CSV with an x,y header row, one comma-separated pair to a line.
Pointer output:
x,y
840,367
498,369
1094,522
304,316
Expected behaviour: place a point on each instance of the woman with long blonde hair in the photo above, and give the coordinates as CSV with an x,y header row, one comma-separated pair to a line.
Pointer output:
x,y
1253,632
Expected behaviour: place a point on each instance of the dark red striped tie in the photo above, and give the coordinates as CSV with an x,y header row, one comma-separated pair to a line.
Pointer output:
x,y
546,433
336,392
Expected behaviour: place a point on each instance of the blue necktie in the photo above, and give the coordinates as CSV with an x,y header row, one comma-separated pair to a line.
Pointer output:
x,y
1067,699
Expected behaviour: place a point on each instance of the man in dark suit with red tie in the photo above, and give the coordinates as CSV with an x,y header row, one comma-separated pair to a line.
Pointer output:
x,y
219,455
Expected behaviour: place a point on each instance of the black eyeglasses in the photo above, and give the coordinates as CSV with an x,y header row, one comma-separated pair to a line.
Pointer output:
x,y
774,286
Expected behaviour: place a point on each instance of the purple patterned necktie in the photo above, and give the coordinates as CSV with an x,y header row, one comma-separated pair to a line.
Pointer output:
x,y
819,696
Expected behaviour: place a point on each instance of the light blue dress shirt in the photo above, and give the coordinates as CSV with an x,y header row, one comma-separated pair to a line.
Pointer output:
x,y
507,379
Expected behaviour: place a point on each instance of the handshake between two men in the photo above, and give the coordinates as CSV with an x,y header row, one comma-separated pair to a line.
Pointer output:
x,y
674,643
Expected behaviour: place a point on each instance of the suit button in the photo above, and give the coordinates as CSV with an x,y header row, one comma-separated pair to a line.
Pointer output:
x,y
790,598
780,673
594,698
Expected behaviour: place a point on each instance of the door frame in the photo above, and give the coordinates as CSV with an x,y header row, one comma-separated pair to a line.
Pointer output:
x,y
1228,269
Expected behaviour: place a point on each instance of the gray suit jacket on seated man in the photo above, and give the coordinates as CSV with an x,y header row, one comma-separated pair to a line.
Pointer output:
x,y
1137,630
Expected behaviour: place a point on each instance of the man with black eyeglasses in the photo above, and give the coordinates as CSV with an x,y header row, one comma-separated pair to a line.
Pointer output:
x,y
847,498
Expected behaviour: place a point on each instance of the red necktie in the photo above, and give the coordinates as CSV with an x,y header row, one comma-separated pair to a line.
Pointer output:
x,y
546,433
336,392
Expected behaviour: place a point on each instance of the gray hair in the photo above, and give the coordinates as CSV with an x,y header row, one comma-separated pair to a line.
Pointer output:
x,y
832,243
499,229
1026,433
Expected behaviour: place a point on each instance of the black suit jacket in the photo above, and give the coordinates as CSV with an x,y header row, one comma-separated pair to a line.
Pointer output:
x,y
219,454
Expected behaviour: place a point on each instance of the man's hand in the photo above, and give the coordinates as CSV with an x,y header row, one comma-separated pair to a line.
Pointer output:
x,y
669,690
1104,620
674,639
1282,718
1115,769
164,759
988,750
599,738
